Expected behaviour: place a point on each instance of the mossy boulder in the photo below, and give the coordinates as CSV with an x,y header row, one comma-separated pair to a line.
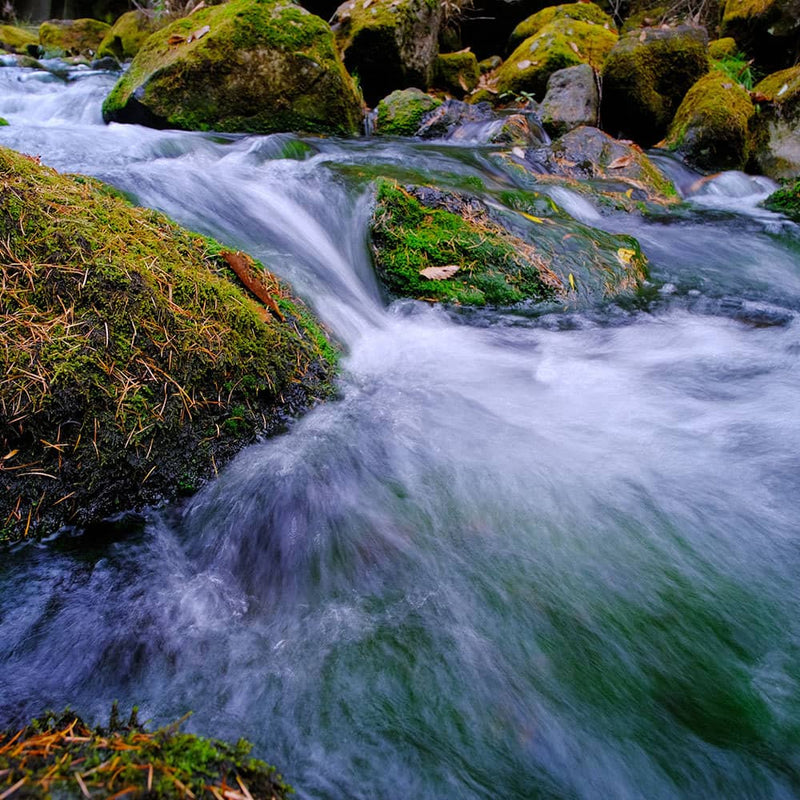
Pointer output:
x,y
447,247
126,36
456,73
3,122
645,78
768,30
559,44
776,128
58,755
401,113
257,66
723,48
711,128
134,361
71,37
582,12
786,200
572,100
389,44
489,64
17,40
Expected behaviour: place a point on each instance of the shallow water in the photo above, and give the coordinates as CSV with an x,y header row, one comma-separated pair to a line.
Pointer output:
x,y
522,556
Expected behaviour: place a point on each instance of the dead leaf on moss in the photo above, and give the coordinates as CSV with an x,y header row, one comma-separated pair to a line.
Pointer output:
x,y
439,273
175,39
199,33
622,161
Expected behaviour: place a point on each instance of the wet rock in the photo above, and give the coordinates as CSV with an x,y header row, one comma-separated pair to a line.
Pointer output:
x,y
456,73
389,44
401,113
710,128
259,66
572,100
107,63
442,122
776,128
519,130
646,76
71,37
768,30
123,40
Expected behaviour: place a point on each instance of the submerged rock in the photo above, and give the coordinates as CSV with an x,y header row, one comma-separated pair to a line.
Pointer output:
x,y
389,44
126,36
401,113
442,246
258,66
71,37
646,76
710,129
572,100
134,362
776,128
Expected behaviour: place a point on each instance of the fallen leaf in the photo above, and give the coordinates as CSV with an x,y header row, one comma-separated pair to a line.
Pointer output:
x,y
518,152
10,455
531,217
199,33
622,161
198,7
244,268
642,36
462,83
439,273
571,282
175,39
367,4
574,47
626,256
523,64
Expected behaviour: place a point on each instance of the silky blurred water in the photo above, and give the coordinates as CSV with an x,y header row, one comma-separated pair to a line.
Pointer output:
x,y
522,556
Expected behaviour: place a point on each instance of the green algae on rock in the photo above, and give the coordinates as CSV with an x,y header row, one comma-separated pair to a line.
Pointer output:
x,y
17,40
59,755
456,73
401,112
646,76
723,48
711,127
256,66
562,43
126,346
126,36
786,200
582,12
449,247
71,37
776,128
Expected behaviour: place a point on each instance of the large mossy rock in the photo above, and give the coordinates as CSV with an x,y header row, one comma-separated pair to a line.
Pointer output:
x,y
572,100
776,128
126,36
768,30
456,73
711,128
389,44
447,247
401,113
17,40
71,37
134,362
562,43
582,12
645,78
256,66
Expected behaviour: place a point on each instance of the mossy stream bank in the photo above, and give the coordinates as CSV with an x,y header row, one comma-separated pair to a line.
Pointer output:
x,y
135,363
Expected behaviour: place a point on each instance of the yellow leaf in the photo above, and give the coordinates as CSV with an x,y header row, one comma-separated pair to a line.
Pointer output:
x,y
571,282
531,217
626,256
10,455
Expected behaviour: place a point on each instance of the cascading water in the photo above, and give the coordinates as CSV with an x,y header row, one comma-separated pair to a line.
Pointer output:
x,y
520,557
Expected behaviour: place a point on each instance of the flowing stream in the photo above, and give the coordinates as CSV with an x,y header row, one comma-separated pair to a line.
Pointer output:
x,y
522,556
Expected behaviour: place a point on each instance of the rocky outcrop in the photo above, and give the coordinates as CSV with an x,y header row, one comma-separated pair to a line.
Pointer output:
x,y
136,356
711,128
127,35
572,100
776,128
71,37
258,66
646,76
389,44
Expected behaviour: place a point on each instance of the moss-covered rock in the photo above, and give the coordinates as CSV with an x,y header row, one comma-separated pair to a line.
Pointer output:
x,y
446,247
134,363
126,36
58,755
582,12
401,112
723,48
776,128
456,73
259,66
711,127
559,44
389,44
646,76
769,30
3,122
489,64
786,200
17,40
71,37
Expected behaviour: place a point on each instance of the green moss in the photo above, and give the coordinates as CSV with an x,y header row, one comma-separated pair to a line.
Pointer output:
x,y
71,37
55,749
456,73
780,87
582,12
646,76
264,66
16,39
559,44
127,35
3,122
401,112
786,200
710,127
723,48
125,340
